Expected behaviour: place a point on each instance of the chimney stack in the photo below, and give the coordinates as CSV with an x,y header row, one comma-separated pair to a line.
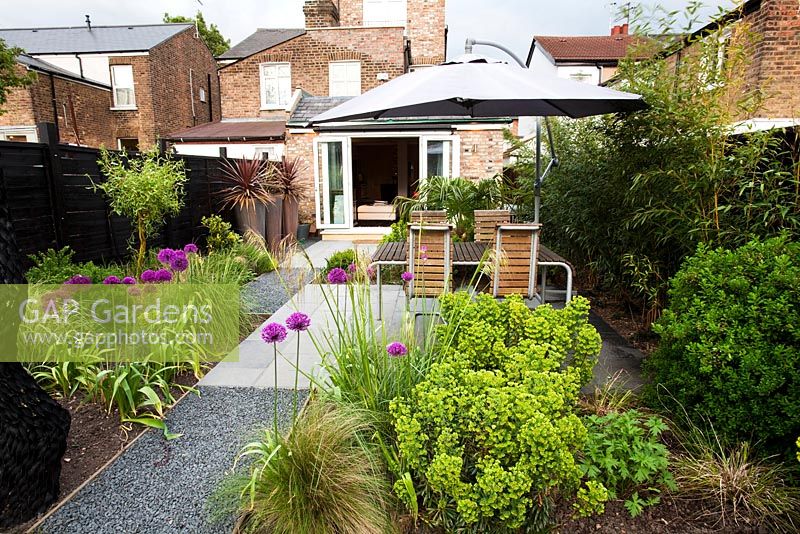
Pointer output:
x,y
624,29
616,30
88,23
320,14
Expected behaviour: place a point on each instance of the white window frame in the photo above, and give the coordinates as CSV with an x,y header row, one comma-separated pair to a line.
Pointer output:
x,y
383,7
321,182
262,78
30,134
455,154
114,87
348,84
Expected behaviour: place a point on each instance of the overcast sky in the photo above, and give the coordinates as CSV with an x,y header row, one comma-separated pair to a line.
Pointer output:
x,y
511,22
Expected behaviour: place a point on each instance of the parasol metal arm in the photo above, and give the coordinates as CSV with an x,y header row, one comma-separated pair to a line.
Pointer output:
x,y
470,42
468,45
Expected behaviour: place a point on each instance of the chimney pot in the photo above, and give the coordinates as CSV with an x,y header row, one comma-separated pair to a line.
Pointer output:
x,y
624,29
88,22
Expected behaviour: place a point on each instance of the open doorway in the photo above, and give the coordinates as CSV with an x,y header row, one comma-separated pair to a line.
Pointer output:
x,y
383,168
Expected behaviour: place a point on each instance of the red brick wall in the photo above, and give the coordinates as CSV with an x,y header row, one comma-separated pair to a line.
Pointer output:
x,y
33,104
426,23
301,145
351,12
92,117
320,13
426,31
163,96
170,63
774,64
138,123
18,109
481,153
378,49
777,56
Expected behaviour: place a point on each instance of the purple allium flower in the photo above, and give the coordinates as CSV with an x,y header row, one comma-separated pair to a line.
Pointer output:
x,y
163,275
351,268
337,276
78,279
148,275
396,349
112,280
129,280
179,263
273,333
165,255
423,248
424,257
407,276
190,248
298,322
370,272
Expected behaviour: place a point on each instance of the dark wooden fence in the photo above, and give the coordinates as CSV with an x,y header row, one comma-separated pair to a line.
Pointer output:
x,y
47,201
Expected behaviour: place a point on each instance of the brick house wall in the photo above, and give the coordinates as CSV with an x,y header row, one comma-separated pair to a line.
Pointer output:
x,y
170,63
93,119
18,109
136,123
774,64
426,31
481,153
301,144
425,23
161,87
378,49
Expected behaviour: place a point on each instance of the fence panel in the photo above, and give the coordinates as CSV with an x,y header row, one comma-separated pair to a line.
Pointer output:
x,y
49,202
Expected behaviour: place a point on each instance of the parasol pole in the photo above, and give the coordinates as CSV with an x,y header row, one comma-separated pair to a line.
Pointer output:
x,y
537,185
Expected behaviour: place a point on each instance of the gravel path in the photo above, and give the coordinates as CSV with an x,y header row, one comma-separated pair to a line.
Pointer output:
x,y
270,291
162,487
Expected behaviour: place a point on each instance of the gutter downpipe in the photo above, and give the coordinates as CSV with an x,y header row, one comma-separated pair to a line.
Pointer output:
x,y
537,202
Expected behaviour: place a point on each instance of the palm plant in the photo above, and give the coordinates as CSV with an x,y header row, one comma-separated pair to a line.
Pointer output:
x,y
246,188
246,183
458,197
289,174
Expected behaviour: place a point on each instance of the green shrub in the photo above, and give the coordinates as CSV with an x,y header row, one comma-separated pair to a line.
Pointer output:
x,y
624,453
225,267
56,266
254,250
221,236
398,232
492,429
730,342
341,259
145,189
321,477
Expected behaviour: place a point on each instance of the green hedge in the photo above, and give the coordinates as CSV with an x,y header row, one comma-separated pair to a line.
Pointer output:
x,y
730,341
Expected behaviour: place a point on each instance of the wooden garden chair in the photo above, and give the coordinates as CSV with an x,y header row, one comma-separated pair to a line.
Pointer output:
x,y
429,260
428,217
487,221
516,252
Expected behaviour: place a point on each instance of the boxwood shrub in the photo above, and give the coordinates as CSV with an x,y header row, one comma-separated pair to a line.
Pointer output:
x,y
730,342
492,430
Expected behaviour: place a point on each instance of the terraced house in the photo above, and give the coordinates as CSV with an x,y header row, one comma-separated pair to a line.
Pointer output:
x,y
116,86
275,81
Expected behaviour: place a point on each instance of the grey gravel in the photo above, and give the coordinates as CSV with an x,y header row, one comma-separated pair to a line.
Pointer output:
x,y
159,486
270,291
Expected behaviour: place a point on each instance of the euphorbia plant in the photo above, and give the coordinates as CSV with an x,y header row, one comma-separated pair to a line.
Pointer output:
x,y
145,189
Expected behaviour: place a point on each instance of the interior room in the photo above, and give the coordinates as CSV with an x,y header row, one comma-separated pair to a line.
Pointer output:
x,y
383,168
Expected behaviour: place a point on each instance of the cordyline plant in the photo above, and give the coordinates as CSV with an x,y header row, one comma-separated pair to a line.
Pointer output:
x,y
145,189
288,177
246,182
